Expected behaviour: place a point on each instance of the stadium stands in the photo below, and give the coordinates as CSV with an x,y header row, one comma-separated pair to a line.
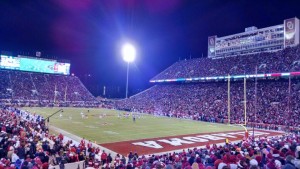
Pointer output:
x,y
207,101
4,82
24,135
26,144
286,60
46,89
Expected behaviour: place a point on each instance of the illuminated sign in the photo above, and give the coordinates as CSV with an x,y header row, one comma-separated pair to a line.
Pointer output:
x,y
286,74
34,65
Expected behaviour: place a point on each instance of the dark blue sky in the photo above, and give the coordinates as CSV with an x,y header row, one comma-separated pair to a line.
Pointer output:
x,y
89,32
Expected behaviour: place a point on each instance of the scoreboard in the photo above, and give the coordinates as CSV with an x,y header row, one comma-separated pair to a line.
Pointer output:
x,y
8,62
34,65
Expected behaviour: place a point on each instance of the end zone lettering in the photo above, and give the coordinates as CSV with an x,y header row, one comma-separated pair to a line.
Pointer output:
x,y
157,144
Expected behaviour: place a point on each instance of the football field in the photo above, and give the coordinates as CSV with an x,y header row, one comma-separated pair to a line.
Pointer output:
x,y
111,128
106,127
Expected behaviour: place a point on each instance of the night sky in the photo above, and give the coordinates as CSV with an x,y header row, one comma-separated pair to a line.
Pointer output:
x,y
89,33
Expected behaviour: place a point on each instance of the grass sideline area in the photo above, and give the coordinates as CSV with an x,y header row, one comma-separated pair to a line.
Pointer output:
x,y
111,128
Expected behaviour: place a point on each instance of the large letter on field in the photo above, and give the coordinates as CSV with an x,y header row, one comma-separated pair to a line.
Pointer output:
x,y
210,137
223,135
195,139
151,144
176,141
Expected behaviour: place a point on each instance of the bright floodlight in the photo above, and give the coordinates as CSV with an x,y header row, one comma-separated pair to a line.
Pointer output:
x,y
128,52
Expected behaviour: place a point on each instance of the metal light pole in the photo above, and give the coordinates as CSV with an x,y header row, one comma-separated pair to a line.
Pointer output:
x,y
127,80
128,53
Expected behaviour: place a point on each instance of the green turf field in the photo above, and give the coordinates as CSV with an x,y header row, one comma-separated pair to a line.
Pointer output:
x,y
113,129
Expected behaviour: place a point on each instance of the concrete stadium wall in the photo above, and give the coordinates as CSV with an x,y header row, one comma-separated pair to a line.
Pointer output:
x,y
76,165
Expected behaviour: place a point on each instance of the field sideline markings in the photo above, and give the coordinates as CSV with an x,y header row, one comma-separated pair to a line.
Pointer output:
x,y
78,138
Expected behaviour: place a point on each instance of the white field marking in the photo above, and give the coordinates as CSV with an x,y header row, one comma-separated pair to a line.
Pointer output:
x,y
110,132
151,144
78,139
91,127
218,144
103,122
188,140
175,141
62,119
198,147
212,125
77,122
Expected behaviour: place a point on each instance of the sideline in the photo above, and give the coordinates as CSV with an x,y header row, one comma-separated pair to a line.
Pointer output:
x,y
76,139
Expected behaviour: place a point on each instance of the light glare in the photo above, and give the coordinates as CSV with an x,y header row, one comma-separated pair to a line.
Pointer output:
x,y
128,52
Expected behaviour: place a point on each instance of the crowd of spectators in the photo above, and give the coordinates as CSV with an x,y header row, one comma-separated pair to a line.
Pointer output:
x,y
287,60
45,89
26,144
263,153
276,106
4,82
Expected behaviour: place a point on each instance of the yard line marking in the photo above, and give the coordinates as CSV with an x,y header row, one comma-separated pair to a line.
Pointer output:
x,y
111,132
77,122
92,127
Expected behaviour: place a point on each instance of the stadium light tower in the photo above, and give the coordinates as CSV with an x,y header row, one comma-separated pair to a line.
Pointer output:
x,y
128,53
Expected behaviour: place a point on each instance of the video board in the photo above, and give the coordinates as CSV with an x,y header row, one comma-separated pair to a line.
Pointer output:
x,y
62,68
34,65
9,62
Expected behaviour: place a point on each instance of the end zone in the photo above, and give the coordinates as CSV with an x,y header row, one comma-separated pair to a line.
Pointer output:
x,y
166,144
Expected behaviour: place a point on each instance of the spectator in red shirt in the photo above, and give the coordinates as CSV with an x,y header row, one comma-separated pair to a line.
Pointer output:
x,y
103,157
